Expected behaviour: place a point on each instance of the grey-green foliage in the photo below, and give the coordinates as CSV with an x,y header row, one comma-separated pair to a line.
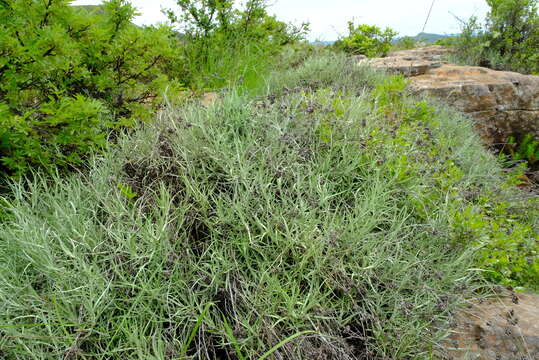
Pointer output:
x,y
292,212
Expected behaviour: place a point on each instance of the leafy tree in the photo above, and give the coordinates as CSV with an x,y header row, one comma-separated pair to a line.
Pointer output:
x,y
508,40
68,76
513,31
367,40
200,17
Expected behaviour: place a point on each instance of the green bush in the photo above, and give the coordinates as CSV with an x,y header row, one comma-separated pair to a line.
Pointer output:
x,y
513,32
502,228
469,45
509,40
367,40
68,76
225,42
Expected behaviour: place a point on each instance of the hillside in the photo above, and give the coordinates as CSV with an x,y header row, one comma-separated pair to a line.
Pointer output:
x,y
295,223
222,189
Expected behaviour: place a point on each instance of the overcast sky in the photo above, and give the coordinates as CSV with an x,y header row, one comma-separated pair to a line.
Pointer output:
x,y
328,18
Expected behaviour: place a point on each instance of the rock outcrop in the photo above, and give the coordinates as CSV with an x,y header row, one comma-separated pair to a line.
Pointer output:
x,y
411,62
501,103
505,328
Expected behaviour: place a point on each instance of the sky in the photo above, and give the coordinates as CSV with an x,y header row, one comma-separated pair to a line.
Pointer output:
x,y
328,18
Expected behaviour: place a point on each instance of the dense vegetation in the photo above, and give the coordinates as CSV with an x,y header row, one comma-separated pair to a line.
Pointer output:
x,y
334,208
509,40
226,40
68,76
317,210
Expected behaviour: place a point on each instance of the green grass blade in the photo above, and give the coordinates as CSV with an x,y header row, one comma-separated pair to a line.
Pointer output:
x,y
284,342
195,328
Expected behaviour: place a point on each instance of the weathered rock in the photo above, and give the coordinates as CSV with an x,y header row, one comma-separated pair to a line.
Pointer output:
x,y
502,103
498,329
406,66
411,62
358,57
432,53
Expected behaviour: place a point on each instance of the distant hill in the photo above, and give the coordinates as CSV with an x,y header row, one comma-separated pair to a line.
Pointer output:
x,y
423,37
430,38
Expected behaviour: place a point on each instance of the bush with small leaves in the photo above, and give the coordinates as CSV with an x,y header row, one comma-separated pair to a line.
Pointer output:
x,y
367,40
69,75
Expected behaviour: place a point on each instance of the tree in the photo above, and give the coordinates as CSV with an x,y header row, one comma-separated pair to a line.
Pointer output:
x,y
367,40
513,30
201,19
508,40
